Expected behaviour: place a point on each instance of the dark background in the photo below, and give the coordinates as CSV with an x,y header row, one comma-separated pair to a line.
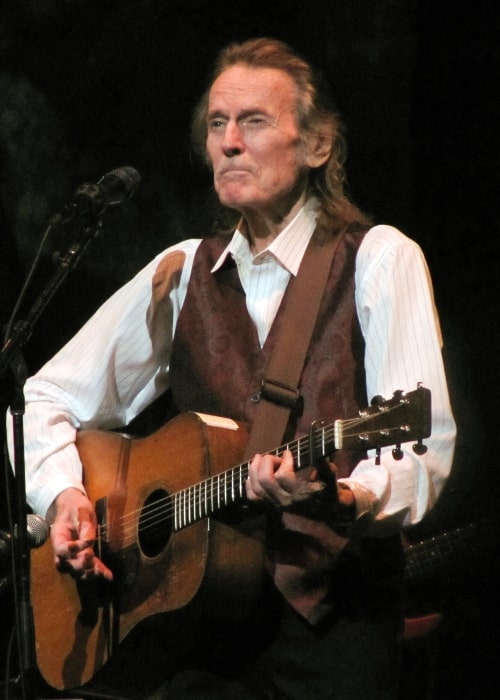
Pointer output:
x,y
87,86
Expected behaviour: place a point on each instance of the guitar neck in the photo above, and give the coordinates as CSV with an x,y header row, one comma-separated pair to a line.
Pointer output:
x,y
404,417
440,551
211,495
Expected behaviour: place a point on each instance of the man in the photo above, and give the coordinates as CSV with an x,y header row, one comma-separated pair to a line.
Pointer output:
x,y
327,625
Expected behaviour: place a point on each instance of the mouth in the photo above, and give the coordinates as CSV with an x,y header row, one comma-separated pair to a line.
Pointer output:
x,y
233,172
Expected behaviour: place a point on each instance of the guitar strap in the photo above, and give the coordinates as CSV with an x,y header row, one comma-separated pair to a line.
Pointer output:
x,y
279,393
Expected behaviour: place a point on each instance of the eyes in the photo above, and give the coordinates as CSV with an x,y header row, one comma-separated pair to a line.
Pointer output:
x,y
249,123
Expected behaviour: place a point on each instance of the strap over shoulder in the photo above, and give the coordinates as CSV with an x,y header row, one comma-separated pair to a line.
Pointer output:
x,y
279,393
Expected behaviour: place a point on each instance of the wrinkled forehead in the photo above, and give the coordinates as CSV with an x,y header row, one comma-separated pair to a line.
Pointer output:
x,y
245,87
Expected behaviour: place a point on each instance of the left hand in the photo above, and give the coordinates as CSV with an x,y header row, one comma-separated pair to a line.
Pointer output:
x,y
273,479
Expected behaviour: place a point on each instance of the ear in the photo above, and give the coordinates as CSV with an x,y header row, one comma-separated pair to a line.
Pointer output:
x,y
318,147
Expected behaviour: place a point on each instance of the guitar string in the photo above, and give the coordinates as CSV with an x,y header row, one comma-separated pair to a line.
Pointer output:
x,y
214,489
213,492
161,510
189,511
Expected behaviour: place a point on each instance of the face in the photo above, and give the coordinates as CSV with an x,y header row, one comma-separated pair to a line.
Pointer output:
x,y
253,141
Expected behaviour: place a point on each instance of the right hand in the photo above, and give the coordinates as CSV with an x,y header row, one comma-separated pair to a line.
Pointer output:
x,y
73,534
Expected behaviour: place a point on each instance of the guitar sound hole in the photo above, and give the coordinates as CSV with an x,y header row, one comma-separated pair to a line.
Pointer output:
x,y
155,524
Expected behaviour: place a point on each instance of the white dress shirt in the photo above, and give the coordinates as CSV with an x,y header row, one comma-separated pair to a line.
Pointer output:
x,y
118,363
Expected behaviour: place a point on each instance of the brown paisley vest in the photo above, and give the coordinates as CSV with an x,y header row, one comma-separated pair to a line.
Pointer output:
x,y
217,364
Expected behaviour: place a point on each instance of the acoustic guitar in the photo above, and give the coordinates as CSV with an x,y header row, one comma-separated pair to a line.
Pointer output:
x,y
155,498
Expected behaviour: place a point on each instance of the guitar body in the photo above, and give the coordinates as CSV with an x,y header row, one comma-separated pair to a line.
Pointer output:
x,y
78,625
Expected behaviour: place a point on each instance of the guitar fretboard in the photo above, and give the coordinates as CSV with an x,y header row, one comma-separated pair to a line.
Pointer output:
x,y
438,552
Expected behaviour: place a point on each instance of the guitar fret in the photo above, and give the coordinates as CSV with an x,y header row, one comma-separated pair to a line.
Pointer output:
x,y
337,428
179,509
243,476
198,502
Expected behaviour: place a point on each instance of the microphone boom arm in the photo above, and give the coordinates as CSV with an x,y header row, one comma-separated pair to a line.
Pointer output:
x,y
67,262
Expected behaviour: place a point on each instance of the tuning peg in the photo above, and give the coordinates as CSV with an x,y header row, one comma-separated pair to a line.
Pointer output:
x,y
397,453
377,400
419,448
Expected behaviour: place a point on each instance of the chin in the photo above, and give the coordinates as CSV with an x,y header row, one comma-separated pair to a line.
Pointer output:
x,y
235,200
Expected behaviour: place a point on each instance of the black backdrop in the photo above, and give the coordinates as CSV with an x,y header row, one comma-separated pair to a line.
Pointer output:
x,y
87,86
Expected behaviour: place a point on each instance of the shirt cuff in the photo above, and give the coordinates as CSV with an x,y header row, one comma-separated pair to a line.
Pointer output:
x,y
367,523
366,500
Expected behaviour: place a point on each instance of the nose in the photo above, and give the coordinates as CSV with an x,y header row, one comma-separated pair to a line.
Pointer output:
x,y
232,144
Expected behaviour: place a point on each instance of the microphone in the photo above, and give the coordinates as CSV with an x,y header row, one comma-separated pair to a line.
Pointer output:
x,y
37,532
90,200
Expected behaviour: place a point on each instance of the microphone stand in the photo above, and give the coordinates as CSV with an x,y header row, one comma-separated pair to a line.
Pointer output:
x,y
11,357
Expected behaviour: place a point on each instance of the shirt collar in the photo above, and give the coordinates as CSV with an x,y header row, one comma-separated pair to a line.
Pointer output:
x,y
287,248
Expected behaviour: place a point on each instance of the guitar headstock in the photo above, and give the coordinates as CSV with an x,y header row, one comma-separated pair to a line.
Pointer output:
x,y
404,417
